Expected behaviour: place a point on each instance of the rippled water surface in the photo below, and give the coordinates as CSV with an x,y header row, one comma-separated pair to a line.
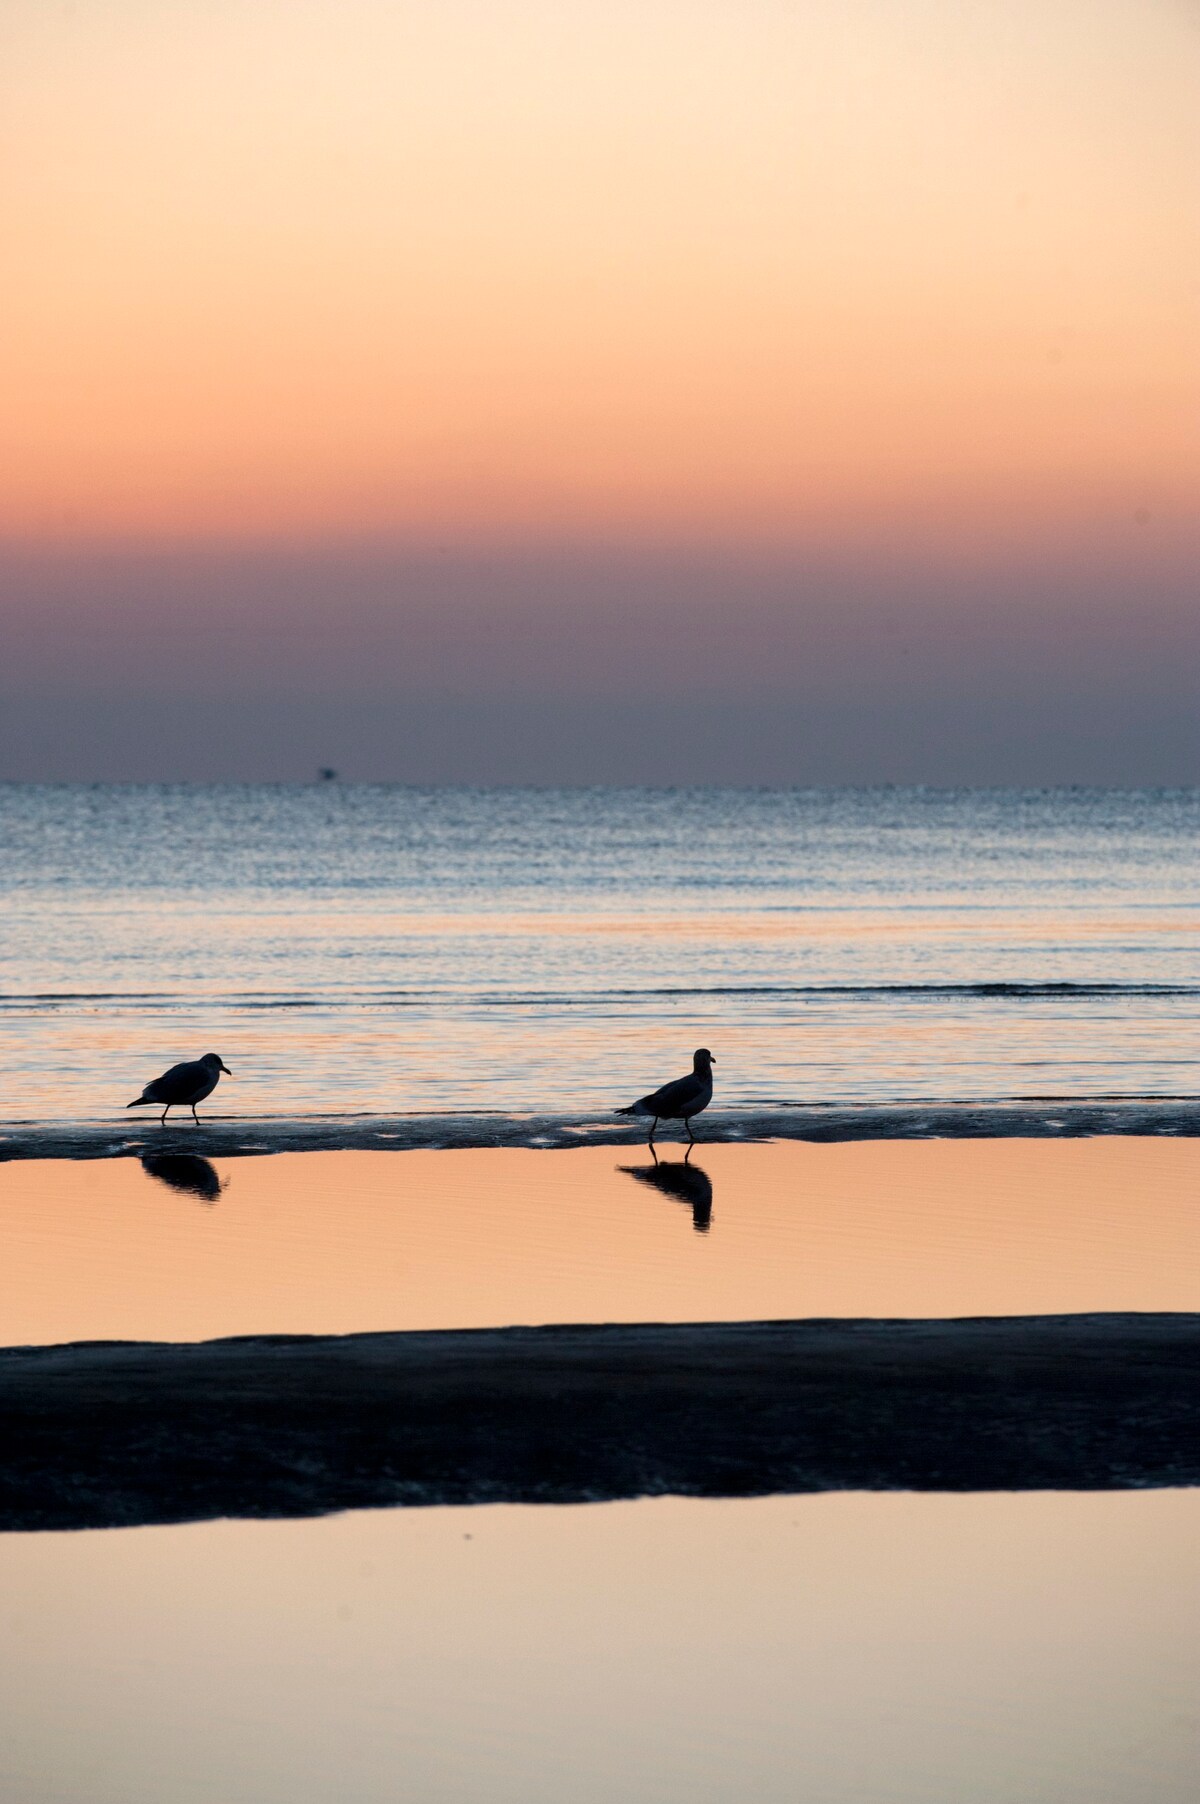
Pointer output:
x,y
386,948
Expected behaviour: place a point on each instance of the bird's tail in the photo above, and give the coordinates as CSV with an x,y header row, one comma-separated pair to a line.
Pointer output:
x,y
631,1110
136,1101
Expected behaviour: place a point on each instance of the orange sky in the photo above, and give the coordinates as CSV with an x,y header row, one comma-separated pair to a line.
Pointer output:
x,y
633,268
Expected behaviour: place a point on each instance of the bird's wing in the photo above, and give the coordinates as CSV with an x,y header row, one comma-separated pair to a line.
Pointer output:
x,y
176,1084
673,1097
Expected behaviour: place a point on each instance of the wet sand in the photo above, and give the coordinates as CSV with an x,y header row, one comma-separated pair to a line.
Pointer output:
x,y
107,1434
236,1136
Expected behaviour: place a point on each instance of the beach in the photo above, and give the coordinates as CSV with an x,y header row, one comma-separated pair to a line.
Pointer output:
x,y
270,1531
770,1316
412,1328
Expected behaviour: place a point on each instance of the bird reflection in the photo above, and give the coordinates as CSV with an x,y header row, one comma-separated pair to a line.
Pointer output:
x,y
685,1182
186,1172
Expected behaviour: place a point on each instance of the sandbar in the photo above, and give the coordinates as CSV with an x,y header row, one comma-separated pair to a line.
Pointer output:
x,y
238,1136
116,1433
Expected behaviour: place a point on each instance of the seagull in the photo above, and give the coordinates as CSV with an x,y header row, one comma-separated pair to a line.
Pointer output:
x,y
185,1084
681,1100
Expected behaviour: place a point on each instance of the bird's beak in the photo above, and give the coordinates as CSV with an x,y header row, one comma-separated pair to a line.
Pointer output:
x,y
226,1070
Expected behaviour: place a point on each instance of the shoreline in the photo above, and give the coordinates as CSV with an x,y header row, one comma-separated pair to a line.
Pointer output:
x,y
244,1137
110,1434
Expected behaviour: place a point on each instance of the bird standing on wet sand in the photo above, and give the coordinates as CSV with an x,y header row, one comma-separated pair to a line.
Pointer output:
x,y
681,1100
185,1084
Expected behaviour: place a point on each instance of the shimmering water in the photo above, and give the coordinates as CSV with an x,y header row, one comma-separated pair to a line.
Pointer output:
x,y
372,948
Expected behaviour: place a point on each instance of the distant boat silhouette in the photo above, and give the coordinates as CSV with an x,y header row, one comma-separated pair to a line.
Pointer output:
x,y
680,1100
684,1182
184,1085
186,1172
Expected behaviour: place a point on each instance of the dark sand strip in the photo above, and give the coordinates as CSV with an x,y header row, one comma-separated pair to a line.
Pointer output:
x,y
110,1433
239,1136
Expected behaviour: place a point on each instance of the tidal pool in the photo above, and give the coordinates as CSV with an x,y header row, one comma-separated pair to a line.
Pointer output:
x,y
884,1649
179,1248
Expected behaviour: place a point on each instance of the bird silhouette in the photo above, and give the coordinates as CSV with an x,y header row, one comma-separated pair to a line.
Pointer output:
x,y
680,1100
185,1085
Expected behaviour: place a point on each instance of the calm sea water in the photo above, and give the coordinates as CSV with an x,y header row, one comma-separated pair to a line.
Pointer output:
x,y
379,948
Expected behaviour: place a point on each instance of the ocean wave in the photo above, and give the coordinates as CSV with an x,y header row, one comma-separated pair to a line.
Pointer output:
x,y
455,999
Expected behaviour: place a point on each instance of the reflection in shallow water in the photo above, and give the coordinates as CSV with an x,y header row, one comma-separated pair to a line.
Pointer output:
x,y
186,1172
859,1649
680,1179
335,1243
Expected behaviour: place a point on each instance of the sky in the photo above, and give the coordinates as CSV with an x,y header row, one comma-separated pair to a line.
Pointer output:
x,y
630,391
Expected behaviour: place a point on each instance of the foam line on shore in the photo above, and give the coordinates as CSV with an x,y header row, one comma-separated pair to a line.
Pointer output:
x,y
108,1434
234,1137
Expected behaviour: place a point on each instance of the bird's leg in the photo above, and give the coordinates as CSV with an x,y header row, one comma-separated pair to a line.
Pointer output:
x,y
650,1142
687,1122
195,1117
162,1120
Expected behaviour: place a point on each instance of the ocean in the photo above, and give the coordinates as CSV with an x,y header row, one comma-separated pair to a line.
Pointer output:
x,y
382,949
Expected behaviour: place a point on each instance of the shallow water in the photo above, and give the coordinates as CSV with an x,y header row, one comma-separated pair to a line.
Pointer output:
x,y
873,1649
340,1242
389,949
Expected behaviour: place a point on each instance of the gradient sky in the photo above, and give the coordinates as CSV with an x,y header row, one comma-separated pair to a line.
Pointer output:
x,y
497,389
